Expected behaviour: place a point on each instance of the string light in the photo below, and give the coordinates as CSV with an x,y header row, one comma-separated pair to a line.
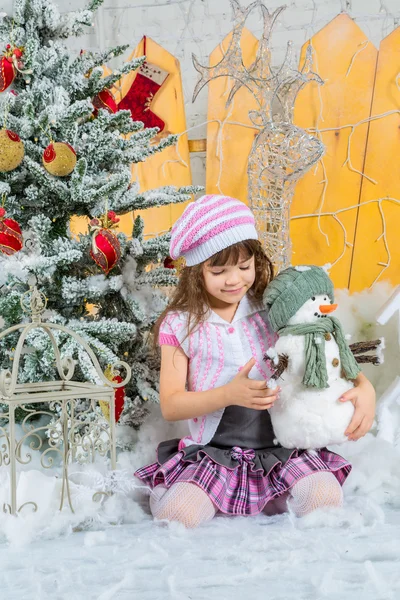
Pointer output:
x,y
348,162
363,45
383,236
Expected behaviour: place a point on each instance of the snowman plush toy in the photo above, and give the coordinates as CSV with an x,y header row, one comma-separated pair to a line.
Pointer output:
x,y
314,364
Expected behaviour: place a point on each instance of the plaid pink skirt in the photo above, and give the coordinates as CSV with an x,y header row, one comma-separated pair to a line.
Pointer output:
x,y
242,490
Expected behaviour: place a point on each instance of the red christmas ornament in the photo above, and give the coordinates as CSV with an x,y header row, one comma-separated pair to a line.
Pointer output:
x,y
7,72
105,99
138,99
119,397
10,63
177,264
106,249
169,263
10,235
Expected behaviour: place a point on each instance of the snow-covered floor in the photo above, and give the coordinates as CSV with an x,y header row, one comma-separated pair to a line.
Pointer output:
x,y
351,554
112,550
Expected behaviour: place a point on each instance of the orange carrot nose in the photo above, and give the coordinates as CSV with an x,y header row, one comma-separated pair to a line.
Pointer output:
x,y
327,308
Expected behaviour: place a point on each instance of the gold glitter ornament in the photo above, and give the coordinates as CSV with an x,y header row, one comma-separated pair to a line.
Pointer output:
x,y
59,158
11,150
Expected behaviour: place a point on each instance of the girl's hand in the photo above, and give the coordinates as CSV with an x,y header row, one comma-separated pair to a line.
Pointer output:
x,y
363,398
250,393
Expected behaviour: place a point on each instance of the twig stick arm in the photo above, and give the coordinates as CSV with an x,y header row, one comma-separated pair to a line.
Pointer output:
x,y
359,350
361,347
364,359
280,366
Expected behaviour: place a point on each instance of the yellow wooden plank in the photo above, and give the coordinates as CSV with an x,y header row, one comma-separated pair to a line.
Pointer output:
x,y
346,61
381,165
229,143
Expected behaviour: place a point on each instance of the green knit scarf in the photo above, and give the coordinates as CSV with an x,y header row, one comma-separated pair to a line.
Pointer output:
x,y
316,374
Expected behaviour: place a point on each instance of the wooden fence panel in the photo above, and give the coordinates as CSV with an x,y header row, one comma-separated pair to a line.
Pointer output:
x,y
346,61
372,250
345,223
229,142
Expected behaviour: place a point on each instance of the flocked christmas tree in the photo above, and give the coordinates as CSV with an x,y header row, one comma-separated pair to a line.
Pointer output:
x,y
76,161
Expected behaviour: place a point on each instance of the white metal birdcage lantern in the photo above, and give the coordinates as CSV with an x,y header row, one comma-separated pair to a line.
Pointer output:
x,y
72,436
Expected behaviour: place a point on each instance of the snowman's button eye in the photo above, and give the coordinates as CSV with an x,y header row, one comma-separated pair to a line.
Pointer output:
x,y
313,298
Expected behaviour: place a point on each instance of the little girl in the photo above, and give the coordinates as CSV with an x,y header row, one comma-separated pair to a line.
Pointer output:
x,y
213,337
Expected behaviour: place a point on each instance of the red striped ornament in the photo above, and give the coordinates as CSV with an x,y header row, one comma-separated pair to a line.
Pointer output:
x,y
7,72
10,235
106,249
105,99
11,62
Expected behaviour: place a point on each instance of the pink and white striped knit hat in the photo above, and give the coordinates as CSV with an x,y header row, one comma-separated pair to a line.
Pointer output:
x,y
209,225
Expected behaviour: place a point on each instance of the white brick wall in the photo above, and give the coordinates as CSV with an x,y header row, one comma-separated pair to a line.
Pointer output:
x,y
186,26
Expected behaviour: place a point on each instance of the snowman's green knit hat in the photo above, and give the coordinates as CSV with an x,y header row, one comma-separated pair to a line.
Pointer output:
x,y
291,288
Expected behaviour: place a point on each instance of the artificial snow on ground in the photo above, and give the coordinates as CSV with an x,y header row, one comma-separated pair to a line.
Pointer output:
x,y
112,549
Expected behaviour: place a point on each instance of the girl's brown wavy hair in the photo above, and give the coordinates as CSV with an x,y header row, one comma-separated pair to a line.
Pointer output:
x,y
190,294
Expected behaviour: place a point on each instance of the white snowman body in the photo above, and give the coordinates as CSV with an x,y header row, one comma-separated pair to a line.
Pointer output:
x,y
306,417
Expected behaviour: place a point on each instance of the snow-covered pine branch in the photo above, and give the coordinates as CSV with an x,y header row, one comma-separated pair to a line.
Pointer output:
x,y
150,198
114,312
